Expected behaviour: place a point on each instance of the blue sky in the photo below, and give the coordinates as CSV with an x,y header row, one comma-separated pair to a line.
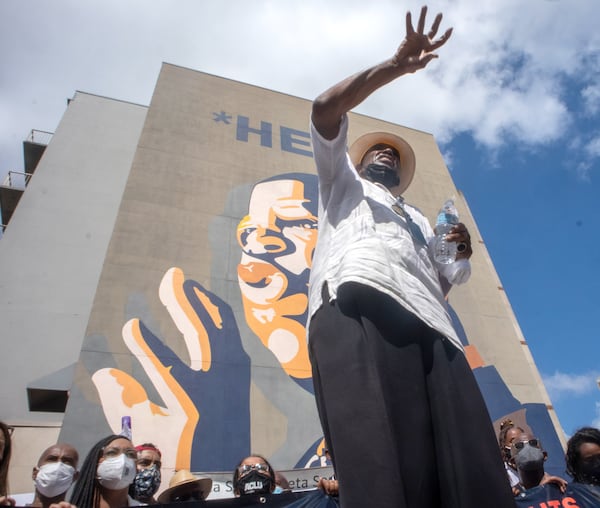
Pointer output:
x,y
514,101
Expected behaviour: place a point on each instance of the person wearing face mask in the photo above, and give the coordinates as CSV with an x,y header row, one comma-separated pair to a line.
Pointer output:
x,y
583,456
54,474
107,472
583,464
509,431
253,476
528,457
147,479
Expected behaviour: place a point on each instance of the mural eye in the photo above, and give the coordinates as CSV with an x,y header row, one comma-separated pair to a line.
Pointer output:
x,y
244,234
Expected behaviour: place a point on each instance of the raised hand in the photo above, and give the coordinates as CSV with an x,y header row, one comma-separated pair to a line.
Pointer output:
x,y
416,50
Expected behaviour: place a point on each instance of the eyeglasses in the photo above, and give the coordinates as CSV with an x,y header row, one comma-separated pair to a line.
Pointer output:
x,y
196,495
115,451
244,468
520,444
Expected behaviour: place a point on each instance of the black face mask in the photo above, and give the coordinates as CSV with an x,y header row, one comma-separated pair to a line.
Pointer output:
x,y
590,470
254,483
379,173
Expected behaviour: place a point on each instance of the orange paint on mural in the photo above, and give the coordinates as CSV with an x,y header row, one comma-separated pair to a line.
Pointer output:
x,y
133,393
183,456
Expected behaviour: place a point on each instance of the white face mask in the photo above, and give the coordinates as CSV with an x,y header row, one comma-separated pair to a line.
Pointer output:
x,y
116,473
54,478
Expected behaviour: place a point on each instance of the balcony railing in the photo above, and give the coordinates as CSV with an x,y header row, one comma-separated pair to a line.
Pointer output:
x,y
16,180
39,137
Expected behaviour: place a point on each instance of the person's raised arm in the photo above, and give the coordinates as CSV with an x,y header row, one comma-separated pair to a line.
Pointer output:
x,y
414,53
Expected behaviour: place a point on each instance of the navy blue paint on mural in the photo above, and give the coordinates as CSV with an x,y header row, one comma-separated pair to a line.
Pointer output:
x,y
223,432
292,137
500,402
222,116
265,132
221,395
292,140
311,457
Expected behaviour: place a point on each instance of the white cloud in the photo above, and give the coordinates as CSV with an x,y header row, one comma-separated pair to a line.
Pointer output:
x,y
587,150
500,78
592,148
561,384
596,420
591,99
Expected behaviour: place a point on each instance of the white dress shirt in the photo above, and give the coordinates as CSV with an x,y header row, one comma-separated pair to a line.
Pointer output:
x,y
369,236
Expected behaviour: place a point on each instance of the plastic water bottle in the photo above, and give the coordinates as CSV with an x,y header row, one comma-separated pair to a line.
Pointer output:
x,y
445,252
126,427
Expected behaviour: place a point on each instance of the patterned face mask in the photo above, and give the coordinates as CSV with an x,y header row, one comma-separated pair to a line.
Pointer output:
x,y
146,483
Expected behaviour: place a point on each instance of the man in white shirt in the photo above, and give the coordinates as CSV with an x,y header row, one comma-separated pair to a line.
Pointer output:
x,y
401,412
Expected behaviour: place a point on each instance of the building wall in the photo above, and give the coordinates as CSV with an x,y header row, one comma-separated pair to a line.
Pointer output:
x,y
197,330
198,335
51,256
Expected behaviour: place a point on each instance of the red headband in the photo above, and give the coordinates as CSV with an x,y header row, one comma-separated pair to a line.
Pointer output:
x,y
141,448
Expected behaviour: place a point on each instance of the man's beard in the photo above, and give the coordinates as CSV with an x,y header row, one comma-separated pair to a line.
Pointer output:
x,y
378,173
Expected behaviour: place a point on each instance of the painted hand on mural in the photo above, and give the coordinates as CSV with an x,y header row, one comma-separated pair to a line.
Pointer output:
x,y
189,434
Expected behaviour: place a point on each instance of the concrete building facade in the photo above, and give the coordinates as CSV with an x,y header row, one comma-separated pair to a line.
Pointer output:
x,y
160,258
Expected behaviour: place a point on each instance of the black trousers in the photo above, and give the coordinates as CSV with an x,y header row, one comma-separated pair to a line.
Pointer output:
x,y
402,414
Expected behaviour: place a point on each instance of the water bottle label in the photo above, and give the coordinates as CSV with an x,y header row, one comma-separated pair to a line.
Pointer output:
x,y
446,218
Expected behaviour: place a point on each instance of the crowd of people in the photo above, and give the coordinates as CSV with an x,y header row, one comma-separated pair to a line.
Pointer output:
x,y
524,457
116,474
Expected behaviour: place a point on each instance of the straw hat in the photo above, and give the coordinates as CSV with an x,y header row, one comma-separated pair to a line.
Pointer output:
x,y
407,157
181,481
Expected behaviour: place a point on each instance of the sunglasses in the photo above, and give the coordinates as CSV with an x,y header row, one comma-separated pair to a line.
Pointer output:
x,y
520,444
188,496
249,467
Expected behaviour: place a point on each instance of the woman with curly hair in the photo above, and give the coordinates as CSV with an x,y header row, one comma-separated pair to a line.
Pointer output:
x,y
509,431
107,472
583,456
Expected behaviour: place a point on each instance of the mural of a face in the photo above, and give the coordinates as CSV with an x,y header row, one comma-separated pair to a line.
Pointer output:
x,y
278,238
